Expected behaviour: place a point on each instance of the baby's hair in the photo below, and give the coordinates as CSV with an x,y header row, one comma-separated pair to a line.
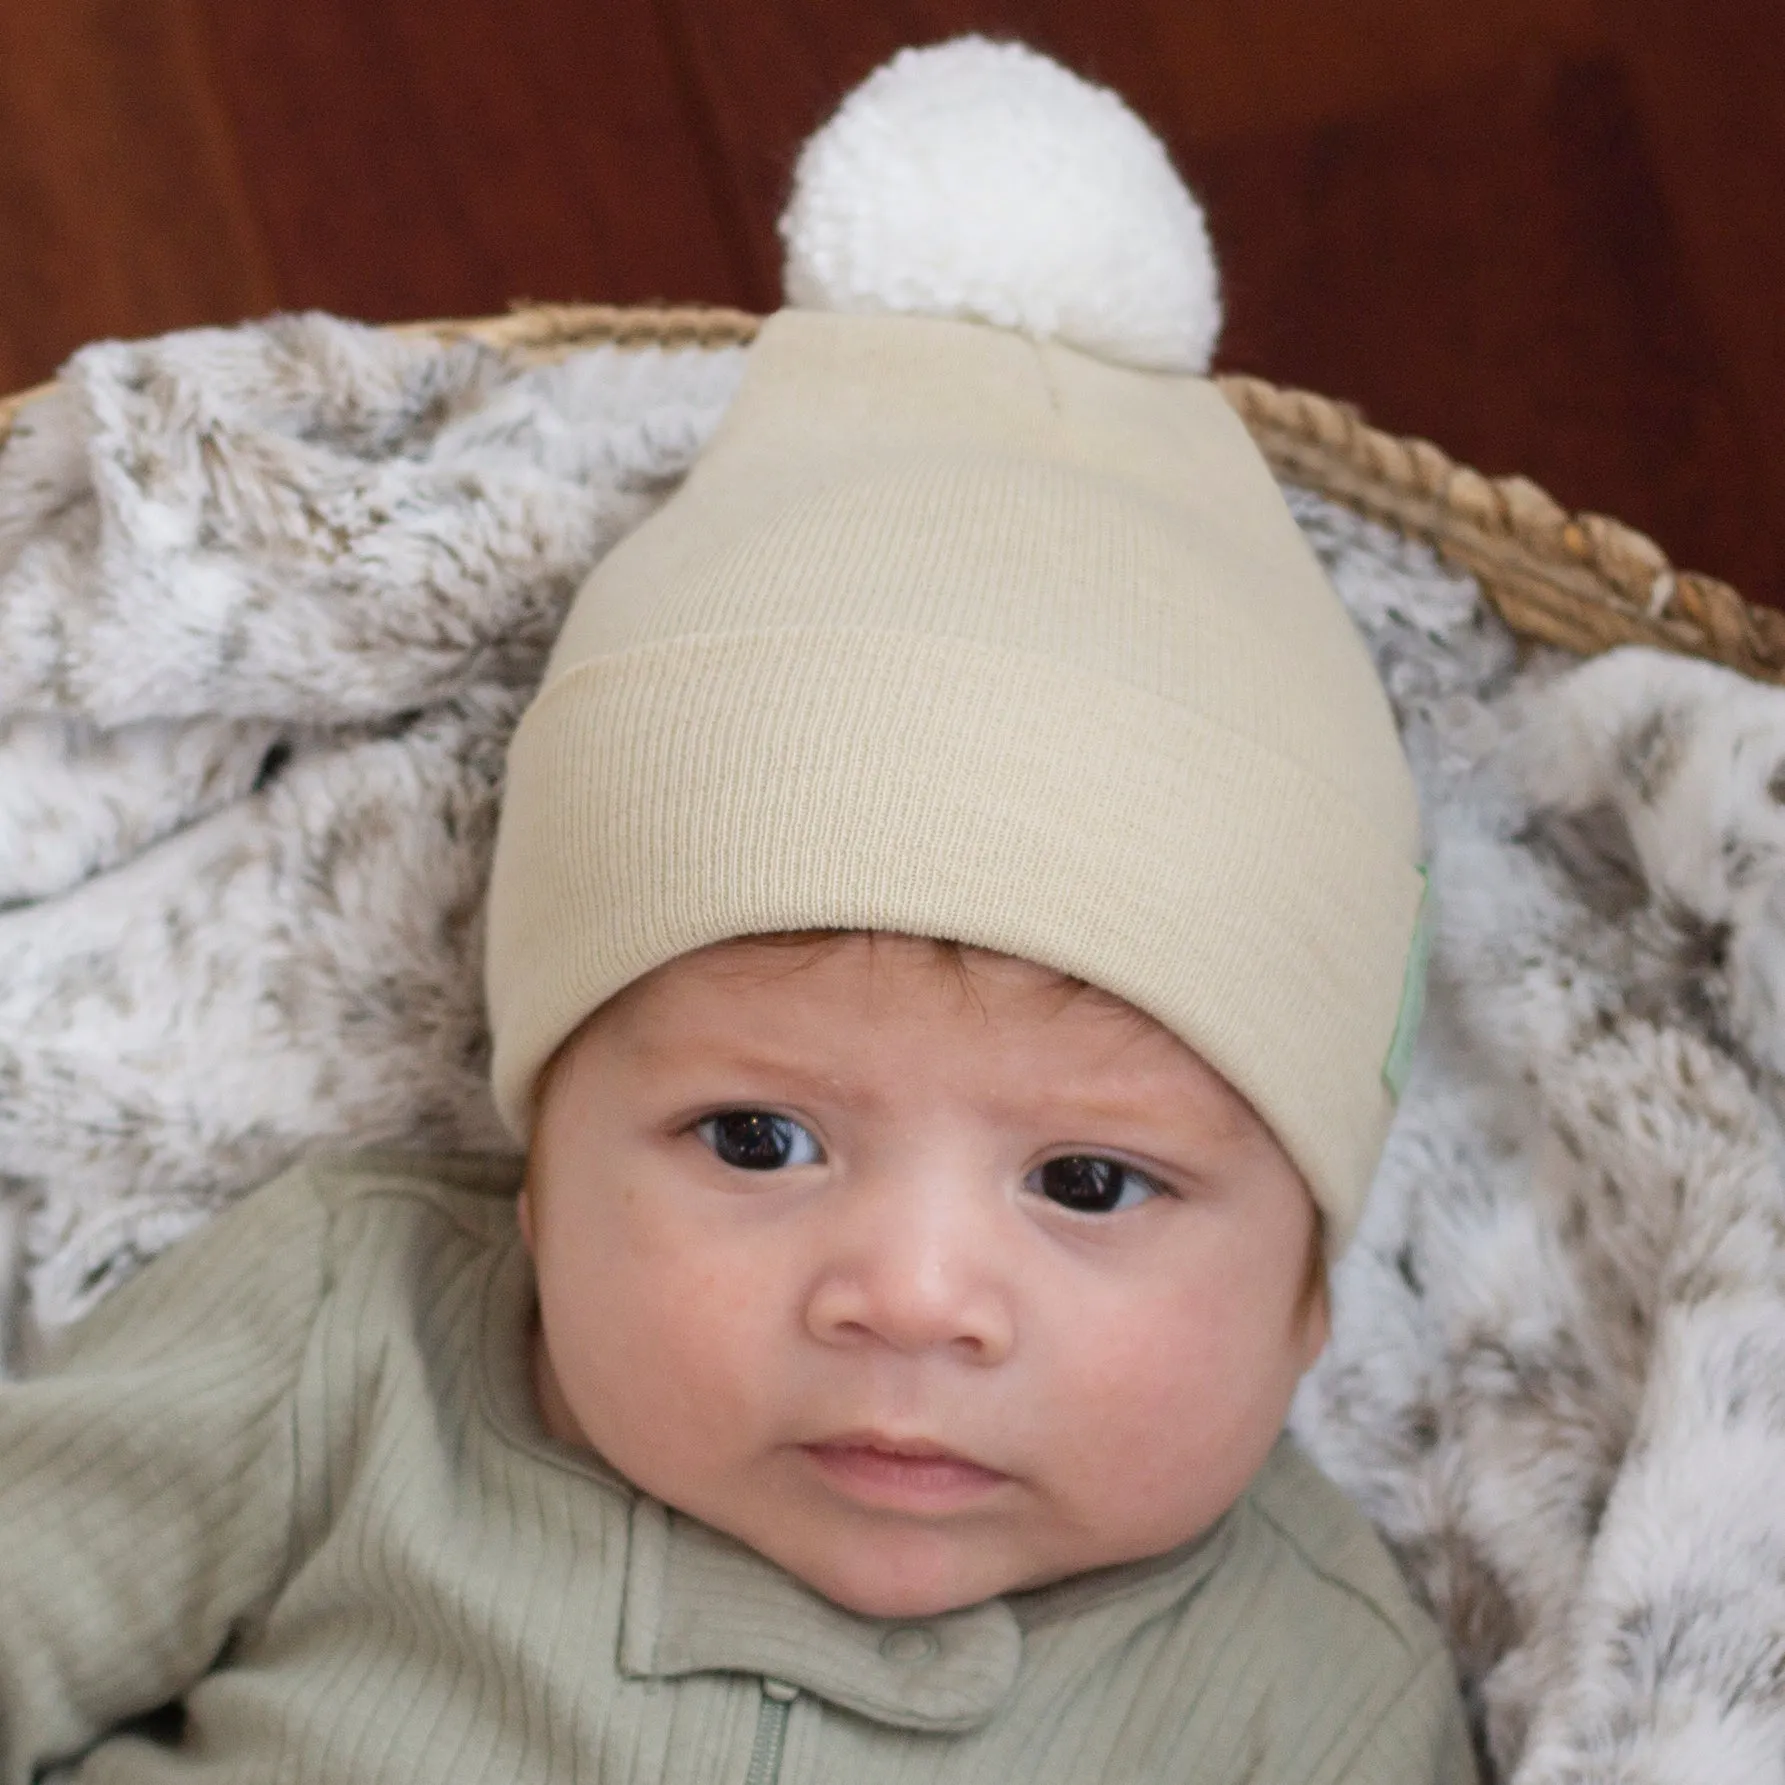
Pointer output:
x,y
956,956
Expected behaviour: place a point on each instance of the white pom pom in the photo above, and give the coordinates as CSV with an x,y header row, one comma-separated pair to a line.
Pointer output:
x,y
981,181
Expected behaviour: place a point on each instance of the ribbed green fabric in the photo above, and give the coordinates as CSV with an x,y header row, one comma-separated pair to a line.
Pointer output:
x,y
293,1475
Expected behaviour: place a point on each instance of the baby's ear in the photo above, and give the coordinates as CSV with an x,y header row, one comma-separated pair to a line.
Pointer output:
x,y
982,182
1316,1310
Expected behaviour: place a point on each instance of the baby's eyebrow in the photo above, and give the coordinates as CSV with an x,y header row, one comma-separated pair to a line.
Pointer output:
x,y
1107,1109
729,1058
1212,1113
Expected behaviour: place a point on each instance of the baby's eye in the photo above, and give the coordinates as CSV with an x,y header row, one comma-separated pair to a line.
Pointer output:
x,y
757,1140
1091,1186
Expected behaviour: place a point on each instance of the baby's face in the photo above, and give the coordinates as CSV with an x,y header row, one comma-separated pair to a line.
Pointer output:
x,y
926,1291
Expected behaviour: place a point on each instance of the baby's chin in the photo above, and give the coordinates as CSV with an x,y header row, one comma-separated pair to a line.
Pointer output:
x,y
901,1586
915,1570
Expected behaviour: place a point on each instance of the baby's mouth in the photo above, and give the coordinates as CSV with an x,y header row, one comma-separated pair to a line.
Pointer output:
x,y
901,1474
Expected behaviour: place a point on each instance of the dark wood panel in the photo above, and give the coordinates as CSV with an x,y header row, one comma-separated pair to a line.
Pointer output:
x,y
1497,271
121,212
1541,231
442,157
1709,82
1215,69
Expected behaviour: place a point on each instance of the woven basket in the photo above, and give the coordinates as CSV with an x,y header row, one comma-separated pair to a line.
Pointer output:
x,y
1584,582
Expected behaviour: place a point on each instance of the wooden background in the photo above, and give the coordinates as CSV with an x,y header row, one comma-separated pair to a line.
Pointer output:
x,y
1545,233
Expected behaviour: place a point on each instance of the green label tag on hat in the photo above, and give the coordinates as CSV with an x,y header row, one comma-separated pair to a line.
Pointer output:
x,y
1413,993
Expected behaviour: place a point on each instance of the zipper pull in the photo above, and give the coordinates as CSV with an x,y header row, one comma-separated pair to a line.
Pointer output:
x,y
771,1732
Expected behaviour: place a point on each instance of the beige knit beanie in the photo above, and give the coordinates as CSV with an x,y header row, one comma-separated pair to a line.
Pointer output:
x,y
960,630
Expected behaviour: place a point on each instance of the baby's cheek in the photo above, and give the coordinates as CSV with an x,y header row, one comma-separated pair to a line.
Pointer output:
x,y
682,1357
1179,1401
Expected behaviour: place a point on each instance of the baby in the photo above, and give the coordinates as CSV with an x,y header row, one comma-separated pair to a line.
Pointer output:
x,y
952,952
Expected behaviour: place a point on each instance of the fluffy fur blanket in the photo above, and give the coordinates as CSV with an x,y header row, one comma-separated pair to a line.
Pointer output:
x,y
270,602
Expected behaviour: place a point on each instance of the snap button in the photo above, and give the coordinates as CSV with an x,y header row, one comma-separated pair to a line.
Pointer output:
x,y
779,1691
909,1644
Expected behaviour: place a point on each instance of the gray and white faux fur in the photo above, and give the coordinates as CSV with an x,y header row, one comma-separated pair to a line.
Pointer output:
x,y
270,602
1557,1381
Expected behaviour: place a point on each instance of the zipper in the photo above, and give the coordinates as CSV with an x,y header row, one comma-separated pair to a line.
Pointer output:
x,y
771,1732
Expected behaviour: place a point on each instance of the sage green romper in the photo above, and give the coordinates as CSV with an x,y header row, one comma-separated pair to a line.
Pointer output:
x,y
292,1476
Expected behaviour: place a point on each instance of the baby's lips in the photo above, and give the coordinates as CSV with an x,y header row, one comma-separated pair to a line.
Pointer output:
x,y
901,1473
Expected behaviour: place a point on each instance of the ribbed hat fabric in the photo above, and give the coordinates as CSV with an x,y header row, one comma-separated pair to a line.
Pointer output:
x,y
960,634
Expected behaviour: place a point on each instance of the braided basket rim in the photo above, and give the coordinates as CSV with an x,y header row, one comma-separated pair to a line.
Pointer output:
x,y
1582,581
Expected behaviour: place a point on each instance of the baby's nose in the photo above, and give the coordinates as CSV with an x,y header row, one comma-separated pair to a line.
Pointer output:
x,y
915,1272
